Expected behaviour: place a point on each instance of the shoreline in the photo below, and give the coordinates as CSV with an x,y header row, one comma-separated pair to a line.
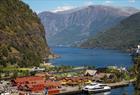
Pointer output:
x,y
53,56
70,90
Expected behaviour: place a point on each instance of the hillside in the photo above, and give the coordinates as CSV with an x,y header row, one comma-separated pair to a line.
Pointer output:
x,y
75,26
22,37
137,70
123,36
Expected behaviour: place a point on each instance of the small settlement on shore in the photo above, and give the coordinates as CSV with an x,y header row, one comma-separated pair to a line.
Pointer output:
x,y
48,79
64,80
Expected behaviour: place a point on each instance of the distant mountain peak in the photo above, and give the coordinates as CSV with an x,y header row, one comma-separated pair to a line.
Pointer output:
x,y
125,9
82,22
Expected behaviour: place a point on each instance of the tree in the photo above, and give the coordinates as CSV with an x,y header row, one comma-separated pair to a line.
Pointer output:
x,y
15,74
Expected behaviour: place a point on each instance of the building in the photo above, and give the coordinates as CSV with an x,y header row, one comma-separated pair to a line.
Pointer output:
x,y
102,75
36,84
47,64
30,83
138,50
112,67
43,75
27,80
138,46
38,69
90,72
117,68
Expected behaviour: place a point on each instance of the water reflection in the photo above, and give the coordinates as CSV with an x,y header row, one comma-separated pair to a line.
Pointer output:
x,y
91,57
105,93
128,90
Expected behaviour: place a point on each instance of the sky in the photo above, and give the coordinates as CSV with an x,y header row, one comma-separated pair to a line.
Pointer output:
x,y
61,5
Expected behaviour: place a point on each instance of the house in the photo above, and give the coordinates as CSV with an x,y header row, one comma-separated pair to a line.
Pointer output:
x,y
47,64
52,84
102,75
28,79
112,67
37,69
32,87
72,81
138,50
117,68
43,75
90,72
30,83
36,84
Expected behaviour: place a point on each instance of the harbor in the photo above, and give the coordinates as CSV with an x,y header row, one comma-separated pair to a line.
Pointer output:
x,y
76,90
69,82
52,79
68,90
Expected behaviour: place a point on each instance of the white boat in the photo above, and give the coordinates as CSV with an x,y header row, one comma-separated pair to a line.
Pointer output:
x,y
96,88
6,93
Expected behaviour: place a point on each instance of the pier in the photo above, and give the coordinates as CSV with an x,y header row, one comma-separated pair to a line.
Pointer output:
x,y
118,84
70,90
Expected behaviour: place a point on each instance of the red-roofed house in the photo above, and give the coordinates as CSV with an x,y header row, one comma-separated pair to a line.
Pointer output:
x,y
36,84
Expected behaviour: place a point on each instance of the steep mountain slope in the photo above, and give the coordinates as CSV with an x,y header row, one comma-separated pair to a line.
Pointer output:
x,y
137,70
123,36
22,37
76,25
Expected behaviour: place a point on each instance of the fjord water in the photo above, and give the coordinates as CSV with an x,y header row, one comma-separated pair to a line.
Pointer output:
x,y
91,57
98,58
128,90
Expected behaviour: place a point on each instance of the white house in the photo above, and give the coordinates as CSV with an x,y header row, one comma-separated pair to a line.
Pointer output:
x,y
138,49
37,69
90,72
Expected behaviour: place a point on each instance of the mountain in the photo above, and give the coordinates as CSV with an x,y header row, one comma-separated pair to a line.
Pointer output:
x,y
122,36
75,26
22,36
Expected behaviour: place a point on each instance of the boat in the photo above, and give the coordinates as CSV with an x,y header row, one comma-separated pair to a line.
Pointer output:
x,y
96,88
6,93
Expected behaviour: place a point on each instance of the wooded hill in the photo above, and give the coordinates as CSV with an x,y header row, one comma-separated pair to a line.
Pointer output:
x,y
123,36
22,37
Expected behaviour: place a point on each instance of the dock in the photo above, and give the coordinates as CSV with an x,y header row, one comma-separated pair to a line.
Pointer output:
x,y
71,90
121,84
118,84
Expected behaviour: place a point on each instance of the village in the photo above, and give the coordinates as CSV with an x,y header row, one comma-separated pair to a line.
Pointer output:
x,y
48,79
63,80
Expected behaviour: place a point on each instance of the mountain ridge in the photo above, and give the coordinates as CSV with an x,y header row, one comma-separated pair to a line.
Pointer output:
x,y
73,27
122,36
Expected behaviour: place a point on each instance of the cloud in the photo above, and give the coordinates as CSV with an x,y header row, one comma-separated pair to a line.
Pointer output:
x,y
131,1
89,3
108,2
63,8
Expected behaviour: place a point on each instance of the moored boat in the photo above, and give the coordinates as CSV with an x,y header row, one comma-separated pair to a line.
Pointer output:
x,y
96,88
